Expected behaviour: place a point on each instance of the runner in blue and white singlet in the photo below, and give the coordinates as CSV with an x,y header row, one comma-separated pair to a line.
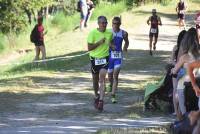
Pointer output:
x,y
115,56
115,59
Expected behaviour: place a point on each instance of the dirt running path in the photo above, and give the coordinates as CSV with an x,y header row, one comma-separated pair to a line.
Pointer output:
x,y
68,107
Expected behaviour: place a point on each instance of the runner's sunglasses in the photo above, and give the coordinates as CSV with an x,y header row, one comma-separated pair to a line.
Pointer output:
x,y
116,23
104,22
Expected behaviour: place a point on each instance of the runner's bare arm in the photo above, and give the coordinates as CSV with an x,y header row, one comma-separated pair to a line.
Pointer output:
x,y
179,64
92,46
190,69
111,45
177,8
159,21
148,21
126,40
45,32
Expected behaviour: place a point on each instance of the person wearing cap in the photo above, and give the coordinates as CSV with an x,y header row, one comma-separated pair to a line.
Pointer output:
x,y
154,21
99,40
180,9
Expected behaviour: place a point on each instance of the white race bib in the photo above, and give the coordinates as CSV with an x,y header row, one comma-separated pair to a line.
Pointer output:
x,y
116,54
100,61
181,11
153,30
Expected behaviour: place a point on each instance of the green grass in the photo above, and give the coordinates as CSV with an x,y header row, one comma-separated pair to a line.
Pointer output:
x,y
109,10
65,23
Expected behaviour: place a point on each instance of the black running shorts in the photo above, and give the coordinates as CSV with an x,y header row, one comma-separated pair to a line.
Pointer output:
x,y
98,64
181,16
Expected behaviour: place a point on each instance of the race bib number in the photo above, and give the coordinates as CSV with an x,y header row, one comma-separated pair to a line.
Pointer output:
x,y
153,30
116,55
100,61
181,11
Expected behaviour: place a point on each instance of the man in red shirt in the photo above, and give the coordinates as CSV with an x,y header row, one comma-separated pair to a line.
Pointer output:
x,y
39,44
154,21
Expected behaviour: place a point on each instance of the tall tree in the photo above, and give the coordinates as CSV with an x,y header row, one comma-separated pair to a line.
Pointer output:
x,y
14,13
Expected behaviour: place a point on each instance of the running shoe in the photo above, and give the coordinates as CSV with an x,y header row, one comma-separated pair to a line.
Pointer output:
x,y
100,105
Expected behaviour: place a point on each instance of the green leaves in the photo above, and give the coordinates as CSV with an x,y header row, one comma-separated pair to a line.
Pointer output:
x,y
13,17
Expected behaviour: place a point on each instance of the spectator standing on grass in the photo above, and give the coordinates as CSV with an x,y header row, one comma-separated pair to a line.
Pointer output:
x,y
90,10
83,12
37,37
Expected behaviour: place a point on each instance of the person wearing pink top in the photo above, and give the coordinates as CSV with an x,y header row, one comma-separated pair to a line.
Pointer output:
x,y
39,44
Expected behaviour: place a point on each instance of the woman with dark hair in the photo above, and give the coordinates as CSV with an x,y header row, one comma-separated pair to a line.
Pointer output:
x,y
190,47
175,57
197,63
176,52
